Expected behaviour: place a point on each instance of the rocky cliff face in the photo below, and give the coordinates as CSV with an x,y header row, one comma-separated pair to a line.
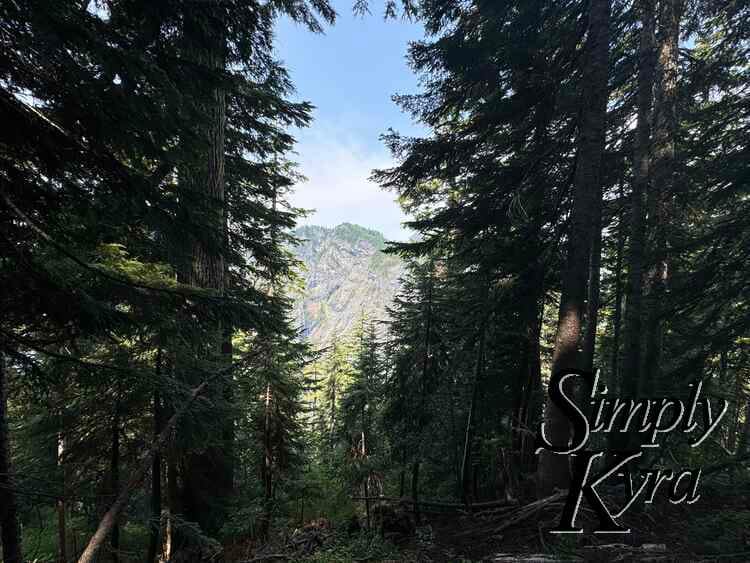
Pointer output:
x,y
346,275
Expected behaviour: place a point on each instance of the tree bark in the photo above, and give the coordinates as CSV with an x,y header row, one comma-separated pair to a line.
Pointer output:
x,y
155,528
664,183
115,476
614,376
592,301
554,471
208,474
11,529
415,490
630,368
61,504
466,463
531,283
267,465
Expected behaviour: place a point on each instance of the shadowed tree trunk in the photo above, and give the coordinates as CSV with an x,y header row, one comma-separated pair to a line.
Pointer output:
x,y
207,475
109,520
466,463
115,476
155,529
11,530
631,354
61,504
592,301
664,184
415,490
614,379
554,471
531,282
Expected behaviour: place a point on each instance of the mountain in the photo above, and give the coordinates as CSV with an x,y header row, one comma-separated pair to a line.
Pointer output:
x,y
346,274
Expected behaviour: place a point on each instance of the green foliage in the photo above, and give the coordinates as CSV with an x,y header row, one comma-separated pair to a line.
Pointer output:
x,y
354,233
723,532
364,546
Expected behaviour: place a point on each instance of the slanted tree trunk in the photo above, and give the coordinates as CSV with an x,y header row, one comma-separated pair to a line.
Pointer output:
x,y
553,470
664,183
11,529
109,520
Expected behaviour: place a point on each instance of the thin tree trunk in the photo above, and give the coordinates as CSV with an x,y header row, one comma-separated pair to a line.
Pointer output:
x,y
367,477
531,283
11,529
630,368
614,378
155,529
664,182
415,491
592,301
115,476
267,465
554,471
466,463
173,500
62,533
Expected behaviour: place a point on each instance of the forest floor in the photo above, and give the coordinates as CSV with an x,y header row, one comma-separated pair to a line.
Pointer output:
x,y
717,528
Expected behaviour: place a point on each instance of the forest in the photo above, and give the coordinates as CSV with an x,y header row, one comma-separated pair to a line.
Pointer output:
x,y
580,201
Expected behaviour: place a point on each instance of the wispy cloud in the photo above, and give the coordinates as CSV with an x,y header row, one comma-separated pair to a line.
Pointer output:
x,y
337,165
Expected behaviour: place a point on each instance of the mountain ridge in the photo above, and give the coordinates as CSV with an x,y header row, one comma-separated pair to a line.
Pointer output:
x,y
346,275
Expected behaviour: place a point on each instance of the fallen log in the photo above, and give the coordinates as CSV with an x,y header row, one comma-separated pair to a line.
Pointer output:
x,y
441,504
528,510
518,515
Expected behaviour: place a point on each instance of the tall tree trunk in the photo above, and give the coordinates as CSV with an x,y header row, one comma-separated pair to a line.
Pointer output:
x,y
208,474
531,282
11,530
174,505
415,490
554,471
592,301
267,461
115,476
61,504
664,183
155,528
267,465
630,368
614,375
467,462
367,477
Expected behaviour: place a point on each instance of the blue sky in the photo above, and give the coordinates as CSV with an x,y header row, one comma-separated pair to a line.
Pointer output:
x,y
349,74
